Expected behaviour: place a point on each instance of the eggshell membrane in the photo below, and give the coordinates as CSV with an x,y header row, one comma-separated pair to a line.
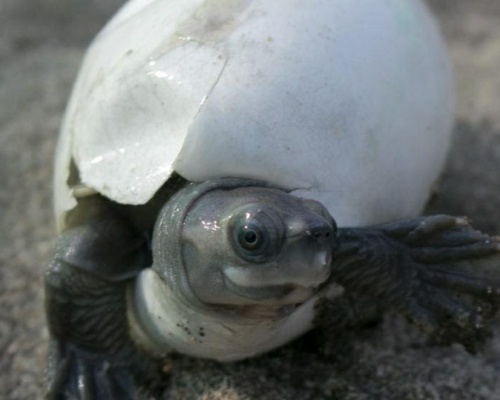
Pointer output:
x,y
346,102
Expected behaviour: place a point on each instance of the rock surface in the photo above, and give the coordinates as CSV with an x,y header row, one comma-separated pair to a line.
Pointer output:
x,y
41,45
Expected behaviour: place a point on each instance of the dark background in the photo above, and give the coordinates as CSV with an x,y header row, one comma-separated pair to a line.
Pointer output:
x,y
41,45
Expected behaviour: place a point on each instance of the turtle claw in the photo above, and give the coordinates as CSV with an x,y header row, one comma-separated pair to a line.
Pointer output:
x,y
91,355
79,375
438,271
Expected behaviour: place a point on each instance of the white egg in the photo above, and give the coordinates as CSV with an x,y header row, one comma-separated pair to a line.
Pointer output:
x,y
348,102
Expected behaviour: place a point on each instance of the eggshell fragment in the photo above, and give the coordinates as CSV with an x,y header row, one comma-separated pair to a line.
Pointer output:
x,y
346,102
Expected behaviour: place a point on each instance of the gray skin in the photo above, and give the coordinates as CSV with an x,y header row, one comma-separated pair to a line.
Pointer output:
x,y
211,239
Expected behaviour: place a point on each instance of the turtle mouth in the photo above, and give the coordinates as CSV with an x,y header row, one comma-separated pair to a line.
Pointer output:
x,y
292,283
282,294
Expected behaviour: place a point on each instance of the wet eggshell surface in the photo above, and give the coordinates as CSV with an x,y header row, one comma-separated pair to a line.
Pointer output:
x,y
346,102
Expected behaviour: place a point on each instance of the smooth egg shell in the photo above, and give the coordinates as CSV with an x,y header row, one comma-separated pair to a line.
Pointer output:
x,y
346,102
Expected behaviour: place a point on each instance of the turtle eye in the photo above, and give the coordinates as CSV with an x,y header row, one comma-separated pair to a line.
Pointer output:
x,y
251,237
257,236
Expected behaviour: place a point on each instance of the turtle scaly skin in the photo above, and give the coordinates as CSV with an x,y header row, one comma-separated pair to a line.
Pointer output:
x,y
91,351
263,265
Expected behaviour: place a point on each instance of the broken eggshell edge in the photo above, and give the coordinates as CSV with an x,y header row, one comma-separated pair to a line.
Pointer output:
x,y
347,103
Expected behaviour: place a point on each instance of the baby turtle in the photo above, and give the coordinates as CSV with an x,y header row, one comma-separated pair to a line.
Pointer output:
x,y
205,148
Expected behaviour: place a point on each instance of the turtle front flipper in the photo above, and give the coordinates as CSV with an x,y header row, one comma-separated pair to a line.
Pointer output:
x,y
438,271
91,354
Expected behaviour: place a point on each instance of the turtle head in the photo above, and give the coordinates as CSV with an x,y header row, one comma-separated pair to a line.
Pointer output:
x,y
233,242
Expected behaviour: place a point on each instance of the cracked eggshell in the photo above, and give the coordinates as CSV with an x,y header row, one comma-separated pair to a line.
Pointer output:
x,y
346,102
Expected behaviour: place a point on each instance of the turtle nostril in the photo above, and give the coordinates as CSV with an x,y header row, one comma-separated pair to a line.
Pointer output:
x,y
321,233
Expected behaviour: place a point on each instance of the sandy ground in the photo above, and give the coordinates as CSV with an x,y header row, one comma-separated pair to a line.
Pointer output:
x,y
41,45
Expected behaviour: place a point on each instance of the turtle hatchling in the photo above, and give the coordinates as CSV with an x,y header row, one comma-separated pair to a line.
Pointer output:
x,y
229,171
